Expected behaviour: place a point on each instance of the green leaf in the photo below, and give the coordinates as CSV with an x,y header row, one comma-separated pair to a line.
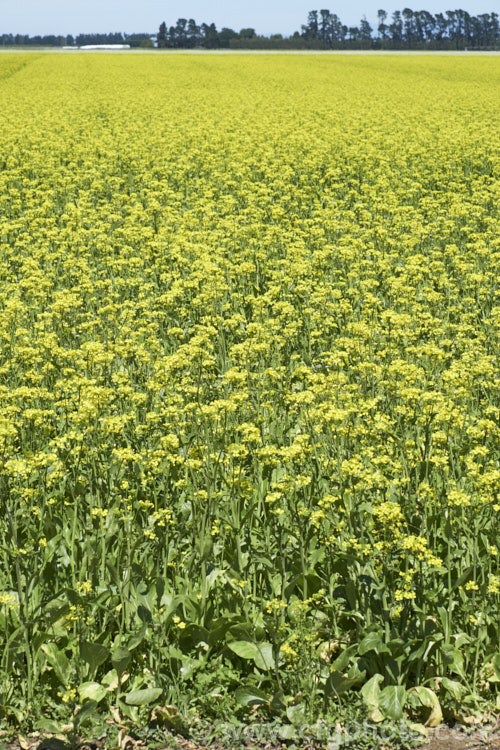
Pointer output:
x,y
455,688
244,649
143,697
372,642
85,712
137,639
454,660
371,690
58,661
287,732
420,696
337,683
92,691
295,714
343,659
278,701
496,665
110,679
48,725
264,659
250,696
120,659
391,701
93,653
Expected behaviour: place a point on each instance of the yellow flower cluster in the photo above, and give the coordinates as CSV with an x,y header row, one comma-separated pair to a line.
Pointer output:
x,y
249,336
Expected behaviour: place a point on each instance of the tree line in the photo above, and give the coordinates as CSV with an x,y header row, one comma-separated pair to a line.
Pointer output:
x,y
52,40
407,29
404,29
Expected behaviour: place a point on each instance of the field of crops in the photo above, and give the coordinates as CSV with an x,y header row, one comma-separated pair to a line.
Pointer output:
x,y
249,387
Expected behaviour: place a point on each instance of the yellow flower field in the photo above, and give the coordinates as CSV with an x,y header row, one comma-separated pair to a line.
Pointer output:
x,y
249,386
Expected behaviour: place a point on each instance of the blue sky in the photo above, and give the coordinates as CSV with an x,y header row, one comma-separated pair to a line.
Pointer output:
x,y
266,16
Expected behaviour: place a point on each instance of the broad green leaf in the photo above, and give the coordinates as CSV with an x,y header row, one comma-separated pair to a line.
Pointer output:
x,y
454,660
278,701
296,713
391,701
455,688
120,659
250,696
130,712
137,639
48,725
58,661
92,691
420,696
93,653
462,639
191,636
244,649
343,659
287,732
85,712
110,679
372,642
143,697
371,690
144,614
218,630
264,659
338,684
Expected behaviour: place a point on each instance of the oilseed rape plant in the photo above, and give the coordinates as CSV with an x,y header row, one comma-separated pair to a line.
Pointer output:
x,y
249,387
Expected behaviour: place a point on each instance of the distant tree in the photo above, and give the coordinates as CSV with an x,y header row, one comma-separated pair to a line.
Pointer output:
x,y
193,33
247,33
339,31
353,34
209,36
311,30
485,30
382,26
225,36
162,35
396,28
441,28
325,27
408,27
426,25
180,35
365,30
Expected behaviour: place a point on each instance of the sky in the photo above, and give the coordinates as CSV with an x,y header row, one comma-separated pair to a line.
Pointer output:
x,y
266,16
